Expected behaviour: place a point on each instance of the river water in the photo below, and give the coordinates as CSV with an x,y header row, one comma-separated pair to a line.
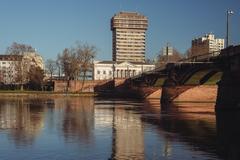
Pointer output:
x,y
73,128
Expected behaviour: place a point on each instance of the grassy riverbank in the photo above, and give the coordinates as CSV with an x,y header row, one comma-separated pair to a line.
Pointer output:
x,y
36,94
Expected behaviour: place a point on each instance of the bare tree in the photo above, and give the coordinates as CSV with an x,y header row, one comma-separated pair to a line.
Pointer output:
x,y
19,49
77,61
36,75
188,53
149,61
1,77
51,67
69,64
173,57
22,64
58,65
22,71
85,53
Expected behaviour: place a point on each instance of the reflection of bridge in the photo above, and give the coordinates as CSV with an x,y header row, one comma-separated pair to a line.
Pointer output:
x,y
217,135
176,78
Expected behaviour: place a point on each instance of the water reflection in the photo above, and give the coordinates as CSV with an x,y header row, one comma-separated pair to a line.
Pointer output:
x,y
126,127
188,123
228,133
128,137
88,128
23,118
77,118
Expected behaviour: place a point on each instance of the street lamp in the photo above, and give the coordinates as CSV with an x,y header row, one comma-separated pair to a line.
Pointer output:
x,y
229,12
113,71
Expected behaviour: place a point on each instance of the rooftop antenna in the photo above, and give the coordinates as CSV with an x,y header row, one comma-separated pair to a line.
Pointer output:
x,y
120,6
136,8
167,47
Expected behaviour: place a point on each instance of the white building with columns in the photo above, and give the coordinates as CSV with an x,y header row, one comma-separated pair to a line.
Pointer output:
x,y
104,70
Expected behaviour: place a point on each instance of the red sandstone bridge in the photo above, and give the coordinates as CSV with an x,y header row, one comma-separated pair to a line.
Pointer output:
x,y
180,76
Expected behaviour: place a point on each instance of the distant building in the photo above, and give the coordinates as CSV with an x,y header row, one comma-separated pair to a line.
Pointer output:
x,y
34,59
8,65
109,69
206,44
167,51
128,37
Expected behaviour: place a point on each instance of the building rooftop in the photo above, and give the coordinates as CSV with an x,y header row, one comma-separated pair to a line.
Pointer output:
x,y
129,20
113,62
11,57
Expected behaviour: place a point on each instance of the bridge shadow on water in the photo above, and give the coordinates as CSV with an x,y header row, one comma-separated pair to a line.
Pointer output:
x,y
210,132
228,134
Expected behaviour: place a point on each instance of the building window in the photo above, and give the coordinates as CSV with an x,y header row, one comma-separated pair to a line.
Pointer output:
x,y
104,72
110,72
98,72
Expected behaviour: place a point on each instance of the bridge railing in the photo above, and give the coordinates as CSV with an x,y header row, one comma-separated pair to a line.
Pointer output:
x,y
156,70
202,57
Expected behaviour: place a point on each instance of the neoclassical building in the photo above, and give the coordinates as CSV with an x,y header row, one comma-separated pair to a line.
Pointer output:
x,y
110,69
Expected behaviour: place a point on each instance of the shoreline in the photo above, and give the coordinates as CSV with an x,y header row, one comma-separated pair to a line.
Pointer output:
x,y
44,94
195,94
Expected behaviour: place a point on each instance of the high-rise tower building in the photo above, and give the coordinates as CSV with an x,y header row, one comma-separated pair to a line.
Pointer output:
x,y
128,36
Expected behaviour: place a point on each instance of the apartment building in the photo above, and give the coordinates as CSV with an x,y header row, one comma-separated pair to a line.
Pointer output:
x,y
206,44
7,67
9,64
128,37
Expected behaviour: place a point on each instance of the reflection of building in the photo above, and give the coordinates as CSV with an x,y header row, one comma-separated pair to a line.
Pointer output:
x,y
167,149
110,69
128,135
206,44
127,130
128,35
23,121
77,120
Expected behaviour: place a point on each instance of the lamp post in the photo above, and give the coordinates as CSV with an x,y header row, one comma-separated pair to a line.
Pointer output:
x,y
113,71
229,12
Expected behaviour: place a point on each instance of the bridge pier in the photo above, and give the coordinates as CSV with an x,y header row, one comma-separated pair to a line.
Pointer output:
x,y
172,87
170,93
229,91
229,86
169,88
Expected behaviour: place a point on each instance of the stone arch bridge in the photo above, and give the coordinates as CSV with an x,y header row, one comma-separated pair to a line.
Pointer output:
x,y
176,78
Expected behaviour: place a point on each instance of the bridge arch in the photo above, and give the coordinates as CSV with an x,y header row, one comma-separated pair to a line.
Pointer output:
x,y
183,78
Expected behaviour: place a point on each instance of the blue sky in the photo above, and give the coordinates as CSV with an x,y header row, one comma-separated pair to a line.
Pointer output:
x,y
52,25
